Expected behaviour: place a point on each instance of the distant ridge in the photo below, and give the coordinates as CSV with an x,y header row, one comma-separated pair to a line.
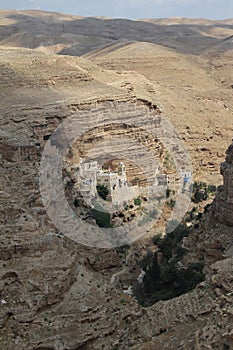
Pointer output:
x,y
76,36
182,20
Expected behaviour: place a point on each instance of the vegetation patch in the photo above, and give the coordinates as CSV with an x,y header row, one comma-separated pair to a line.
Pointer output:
x,y
201,191
164,277
102,217
102,191
77,202
137,201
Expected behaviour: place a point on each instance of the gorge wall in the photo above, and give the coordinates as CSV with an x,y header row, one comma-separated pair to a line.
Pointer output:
x,y
223,206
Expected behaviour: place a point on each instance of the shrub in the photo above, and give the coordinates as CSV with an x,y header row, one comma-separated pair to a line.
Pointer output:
x,y
76,202
123,249
102,191
102,218
168,192
156,238
179,252
212,188
200,192
171,203
206,208
147,260
137,201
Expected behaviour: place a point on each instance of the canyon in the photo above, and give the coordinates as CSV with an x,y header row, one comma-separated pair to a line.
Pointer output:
x,y
55,293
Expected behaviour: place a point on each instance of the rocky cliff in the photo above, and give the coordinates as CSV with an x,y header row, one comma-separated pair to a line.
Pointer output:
x,y
56,294
223,207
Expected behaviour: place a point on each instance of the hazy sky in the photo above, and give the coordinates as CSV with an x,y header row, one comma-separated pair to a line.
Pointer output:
x,y
216,9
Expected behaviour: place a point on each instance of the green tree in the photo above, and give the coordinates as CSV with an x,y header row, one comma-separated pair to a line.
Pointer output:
x,y
137,201
102,218
76,202
102,191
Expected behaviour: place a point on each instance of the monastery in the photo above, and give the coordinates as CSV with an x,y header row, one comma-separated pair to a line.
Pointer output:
x,y
92,175
119,190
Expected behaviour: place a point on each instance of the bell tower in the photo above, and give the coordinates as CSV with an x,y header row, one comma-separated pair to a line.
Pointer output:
x,y
122,169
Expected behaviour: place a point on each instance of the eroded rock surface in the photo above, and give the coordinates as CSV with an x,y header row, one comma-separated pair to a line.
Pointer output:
x,y
224,200
56,294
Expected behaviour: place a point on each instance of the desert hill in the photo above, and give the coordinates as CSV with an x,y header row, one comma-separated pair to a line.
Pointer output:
x,y
34,28
190,21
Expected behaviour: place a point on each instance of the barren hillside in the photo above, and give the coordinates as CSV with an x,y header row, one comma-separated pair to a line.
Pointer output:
x,y
194,91
79,35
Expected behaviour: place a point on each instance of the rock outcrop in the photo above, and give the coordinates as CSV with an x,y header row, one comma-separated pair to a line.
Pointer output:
x,y
223,206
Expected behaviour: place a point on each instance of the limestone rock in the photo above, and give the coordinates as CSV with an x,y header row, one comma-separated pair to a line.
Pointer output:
x,y
223,206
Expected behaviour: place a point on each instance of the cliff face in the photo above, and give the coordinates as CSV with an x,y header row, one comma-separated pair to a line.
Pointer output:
x,y
223,207
212,244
